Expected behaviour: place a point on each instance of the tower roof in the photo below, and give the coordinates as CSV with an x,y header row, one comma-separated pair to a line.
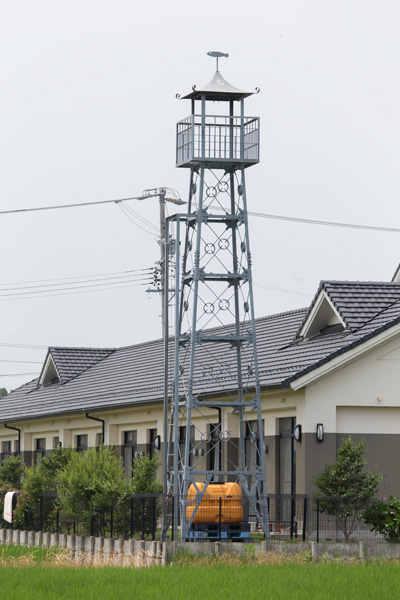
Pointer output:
x,y
217,89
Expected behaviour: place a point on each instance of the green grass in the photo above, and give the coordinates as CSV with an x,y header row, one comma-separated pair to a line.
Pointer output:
x,y
220,581
24,556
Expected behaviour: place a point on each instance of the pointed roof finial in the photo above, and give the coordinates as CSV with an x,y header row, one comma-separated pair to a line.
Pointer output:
x,y
217,55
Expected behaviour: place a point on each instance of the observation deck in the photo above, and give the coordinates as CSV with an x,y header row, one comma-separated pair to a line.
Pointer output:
x,y
217,142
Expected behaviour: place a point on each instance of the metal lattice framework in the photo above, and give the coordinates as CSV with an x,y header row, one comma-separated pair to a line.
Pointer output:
x,y
216,428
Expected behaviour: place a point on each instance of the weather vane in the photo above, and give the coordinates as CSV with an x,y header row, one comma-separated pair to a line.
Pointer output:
x,y
217,55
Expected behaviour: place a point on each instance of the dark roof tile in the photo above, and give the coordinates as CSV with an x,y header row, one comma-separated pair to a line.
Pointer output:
x,y
107,378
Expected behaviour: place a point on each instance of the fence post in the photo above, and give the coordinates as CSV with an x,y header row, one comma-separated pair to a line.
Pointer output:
x,y
57,520
304,518
154,524
292,515
41,513
131,517
220,518
317,521
172,519
143,513
112,521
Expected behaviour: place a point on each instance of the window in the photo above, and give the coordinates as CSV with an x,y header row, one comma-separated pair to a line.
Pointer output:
x,y
129,451
99,439
152,437
182,444
214,448
81,443
6,450
40,448
56,442
253,445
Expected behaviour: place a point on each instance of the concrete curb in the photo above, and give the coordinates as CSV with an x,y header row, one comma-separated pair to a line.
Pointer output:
x,y
98,551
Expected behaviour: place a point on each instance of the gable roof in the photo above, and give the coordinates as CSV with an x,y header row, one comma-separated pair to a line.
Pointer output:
x,y
110,378
355,303
71,362
396,276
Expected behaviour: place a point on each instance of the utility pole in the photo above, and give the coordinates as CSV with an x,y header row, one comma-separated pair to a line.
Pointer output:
x,y
164,243
164,271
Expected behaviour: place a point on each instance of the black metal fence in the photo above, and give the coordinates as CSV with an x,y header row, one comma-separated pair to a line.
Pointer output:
x,y
291,517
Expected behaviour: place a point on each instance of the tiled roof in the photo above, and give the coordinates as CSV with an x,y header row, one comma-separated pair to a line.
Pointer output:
x,y
358,302
71,362
110,378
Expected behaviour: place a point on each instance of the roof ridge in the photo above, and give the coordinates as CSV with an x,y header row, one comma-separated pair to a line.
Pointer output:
x,y
86,348
359,281
258,319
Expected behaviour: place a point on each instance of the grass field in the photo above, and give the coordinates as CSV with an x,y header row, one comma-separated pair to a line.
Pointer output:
x,y
32,575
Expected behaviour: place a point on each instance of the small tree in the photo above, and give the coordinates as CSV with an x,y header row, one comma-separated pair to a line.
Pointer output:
x,y
90,487
11,472
345,486
141,513
144,475
40,479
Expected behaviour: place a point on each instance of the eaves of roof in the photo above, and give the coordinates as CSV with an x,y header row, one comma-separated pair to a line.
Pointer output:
x,y
339,351
133,375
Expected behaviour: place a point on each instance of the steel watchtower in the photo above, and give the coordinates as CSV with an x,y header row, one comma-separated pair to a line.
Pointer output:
x,y
216,431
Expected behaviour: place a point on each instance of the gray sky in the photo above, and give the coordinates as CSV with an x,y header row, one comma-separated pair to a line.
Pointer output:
x,y
88,112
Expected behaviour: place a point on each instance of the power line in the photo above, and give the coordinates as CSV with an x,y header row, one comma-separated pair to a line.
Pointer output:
x,y
325,223
141,281
108,280
142,219
78,205
17,374
30,346
318,222
286,291
254,214
26,362
49,295
147,269
123,209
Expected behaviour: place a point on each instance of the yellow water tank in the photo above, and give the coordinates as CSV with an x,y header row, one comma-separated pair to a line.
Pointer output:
x,y
224,498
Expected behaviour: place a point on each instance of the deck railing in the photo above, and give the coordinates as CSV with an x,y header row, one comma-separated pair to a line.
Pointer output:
x,y
220,139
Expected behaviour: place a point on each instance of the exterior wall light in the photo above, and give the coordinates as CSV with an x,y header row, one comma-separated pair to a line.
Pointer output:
x,y
157,442
297,433
320,432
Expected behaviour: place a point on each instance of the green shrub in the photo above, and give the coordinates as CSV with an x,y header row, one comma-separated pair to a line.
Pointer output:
x,y
89,488
384,516
41,479
144,475
11,472
139,516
